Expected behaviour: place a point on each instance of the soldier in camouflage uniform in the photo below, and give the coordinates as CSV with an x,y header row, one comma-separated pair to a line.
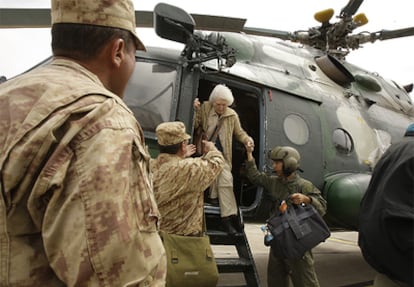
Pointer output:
x,y
180,181
76,202
286,182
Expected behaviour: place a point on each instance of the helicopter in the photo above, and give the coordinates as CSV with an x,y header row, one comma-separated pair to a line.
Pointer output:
x,y
290,88
340,117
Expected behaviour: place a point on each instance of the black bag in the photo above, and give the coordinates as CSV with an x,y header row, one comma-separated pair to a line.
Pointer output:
x,y
296,230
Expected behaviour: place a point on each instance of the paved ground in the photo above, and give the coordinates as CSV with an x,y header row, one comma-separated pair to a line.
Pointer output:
x,y
338,261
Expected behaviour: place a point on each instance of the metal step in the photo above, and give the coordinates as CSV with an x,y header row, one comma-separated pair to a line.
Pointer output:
x,y
244,263
233,265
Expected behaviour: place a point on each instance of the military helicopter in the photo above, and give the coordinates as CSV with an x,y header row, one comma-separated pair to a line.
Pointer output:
x,y
340,117
296,90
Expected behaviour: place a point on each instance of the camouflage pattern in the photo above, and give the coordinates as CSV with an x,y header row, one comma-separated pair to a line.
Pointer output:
x,y
171,133
76,201
114,13
179,186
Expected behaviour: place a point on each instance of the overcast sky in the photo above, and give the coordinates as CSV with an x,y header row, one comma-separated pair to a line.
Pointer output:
x,y
21,49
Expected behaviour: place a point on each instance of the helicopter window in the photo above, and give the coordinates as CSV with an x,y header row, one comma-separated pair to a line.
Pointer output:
x,y
342,141
296,129
149,93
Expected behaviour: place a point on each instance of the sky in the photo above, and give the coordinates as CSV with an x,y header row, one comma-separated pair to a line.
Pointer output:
x,y
23,48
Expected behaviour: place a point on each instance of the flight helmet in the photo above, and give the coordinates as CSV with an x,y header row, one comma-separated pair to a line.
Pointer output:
x,y
289,156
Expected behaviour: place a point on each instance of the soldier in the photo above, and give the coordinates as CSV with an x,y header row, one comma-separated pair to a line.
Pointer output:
x,y
180,181
76,201
286,182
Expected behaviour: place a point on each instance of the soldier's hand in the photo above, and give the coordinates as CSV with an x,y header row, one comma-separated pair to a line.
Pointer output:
x,y
249,150
249,146
190,150
208,146
298,198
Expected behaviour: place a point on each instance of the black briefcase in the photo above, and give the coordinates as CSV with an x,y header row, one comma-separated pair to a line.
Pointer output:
x,y
296,230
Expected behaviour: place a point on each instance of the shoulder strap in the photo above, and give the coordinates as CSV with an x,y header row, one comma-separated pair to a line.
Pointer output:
x,y
216,130
204,230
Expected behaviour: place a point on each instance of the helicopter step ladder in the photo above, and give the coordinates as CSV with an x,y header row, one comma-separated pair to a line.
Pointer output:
x,y
243,262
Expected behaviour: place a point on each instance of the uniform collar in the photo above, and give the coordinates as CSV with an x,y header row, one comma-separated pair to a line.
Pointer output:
x,y
70,64
78,67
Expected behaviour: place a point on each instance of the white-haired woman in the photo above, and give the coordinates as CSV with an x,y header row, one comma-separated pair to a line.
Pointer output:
x,y
220,123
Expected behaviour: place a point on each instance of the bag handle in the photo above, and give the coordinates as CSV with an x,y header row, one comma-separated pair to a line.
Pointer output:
x,y
287,198
204,229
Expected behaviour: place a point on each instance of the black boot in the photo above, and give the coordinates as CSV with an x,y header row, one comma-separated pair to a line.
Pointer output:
x,y
228,226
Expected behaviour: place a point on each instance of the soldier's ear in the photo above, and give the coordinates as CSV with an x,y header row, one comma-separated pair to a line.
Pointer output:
x,y
118,51
183,147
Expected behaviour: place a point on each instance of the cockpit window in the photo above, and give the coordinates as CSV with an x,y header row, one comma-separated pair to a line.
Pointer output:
x,y
342,141
296,129
149,93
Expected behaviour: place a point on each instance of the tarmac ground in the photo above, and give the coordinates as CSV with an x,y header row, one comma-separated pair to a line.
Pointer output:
x,y
338,261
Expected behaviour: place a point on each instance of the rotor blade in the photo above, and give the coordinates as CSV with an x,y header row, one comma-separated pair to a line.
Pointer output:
x,y
218,23
40,18
391,34
284,35
351,8
354,41
22,18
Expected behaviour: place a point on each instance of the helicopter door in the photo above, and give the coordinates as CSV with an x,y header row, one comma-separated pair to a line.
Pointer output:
x,y
296,121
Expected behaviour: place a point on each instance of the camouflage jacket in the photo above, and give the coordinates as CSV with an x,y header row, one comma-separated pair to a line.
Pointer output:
x,y
230,127
279,188
179,186
76,202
